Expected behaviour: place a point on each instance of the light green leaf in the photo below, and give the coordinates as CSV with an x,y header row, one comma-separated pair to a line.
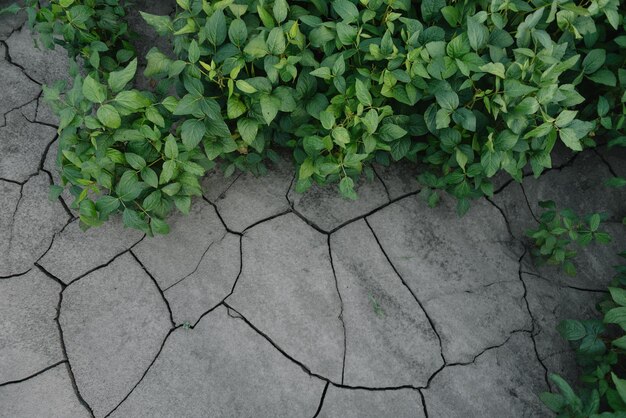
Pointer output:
x,y
390,132
346,188
346,10
238,32
245,87
171,147
270,106
192,131
109,116
571,330
216,28
135,161
620,385
594,61
322,72
276,41
341,136
94,91
618,295
193,52
162,24
118,79
280,10
248,129
362,94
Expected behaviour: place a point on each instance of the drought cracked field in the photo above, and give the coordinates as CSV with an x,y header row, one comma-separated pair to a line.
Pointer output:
x,y
268,303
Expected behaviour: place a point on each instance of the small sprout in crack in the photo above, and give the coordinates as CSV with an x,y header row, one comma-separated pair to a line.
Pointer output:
x,y
378,310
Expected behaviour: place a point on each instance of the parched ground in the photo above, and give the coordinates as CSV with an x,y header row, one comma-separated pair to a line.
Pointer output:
x,y
267,303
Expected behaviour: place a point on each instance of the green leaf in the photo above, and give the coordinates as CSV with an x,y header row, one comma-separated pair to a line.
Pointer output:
x,y
346,33
159,226
153,115
616,316
553,401
128,188
448,100
118,79
14,9
135,161
306,169
477,33
192,131
183,203
107,205
431,9
327,119
571,330
238,32
193,52
620,342
276,41
514,88
594,222
594,61
565,118
109,116
55,192
152,201
132,99
370,120
149,176
495,68
465,118
269,107
171,189
190,104
93,91
618,295
620,385
216,28
280,10
192,168
162,24
266,18
346,188
341,136
567,391
362,93
390,132
400,148
133,219
246,87
570,139
168,171
235,107
171,147
346,10
322,72
461,158
248,129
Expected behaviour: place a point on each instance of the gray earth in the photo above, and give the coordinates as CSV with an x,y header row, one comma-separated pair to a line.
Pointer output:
x,y
263,302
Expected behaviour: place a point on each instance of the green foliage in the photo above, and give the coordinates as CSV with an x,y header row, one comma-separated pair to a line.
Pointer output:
x,y
600,346
559,230
468,88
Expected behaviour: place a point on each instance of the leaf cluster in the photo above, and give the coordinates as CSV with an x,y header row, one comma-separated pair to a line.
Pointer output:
x,y
559,230
468,88
600,346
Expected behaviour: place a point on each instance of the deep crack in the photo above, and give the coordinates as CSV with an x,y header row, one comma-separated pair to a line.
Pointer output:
x,y
69,365
430,320
340,317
